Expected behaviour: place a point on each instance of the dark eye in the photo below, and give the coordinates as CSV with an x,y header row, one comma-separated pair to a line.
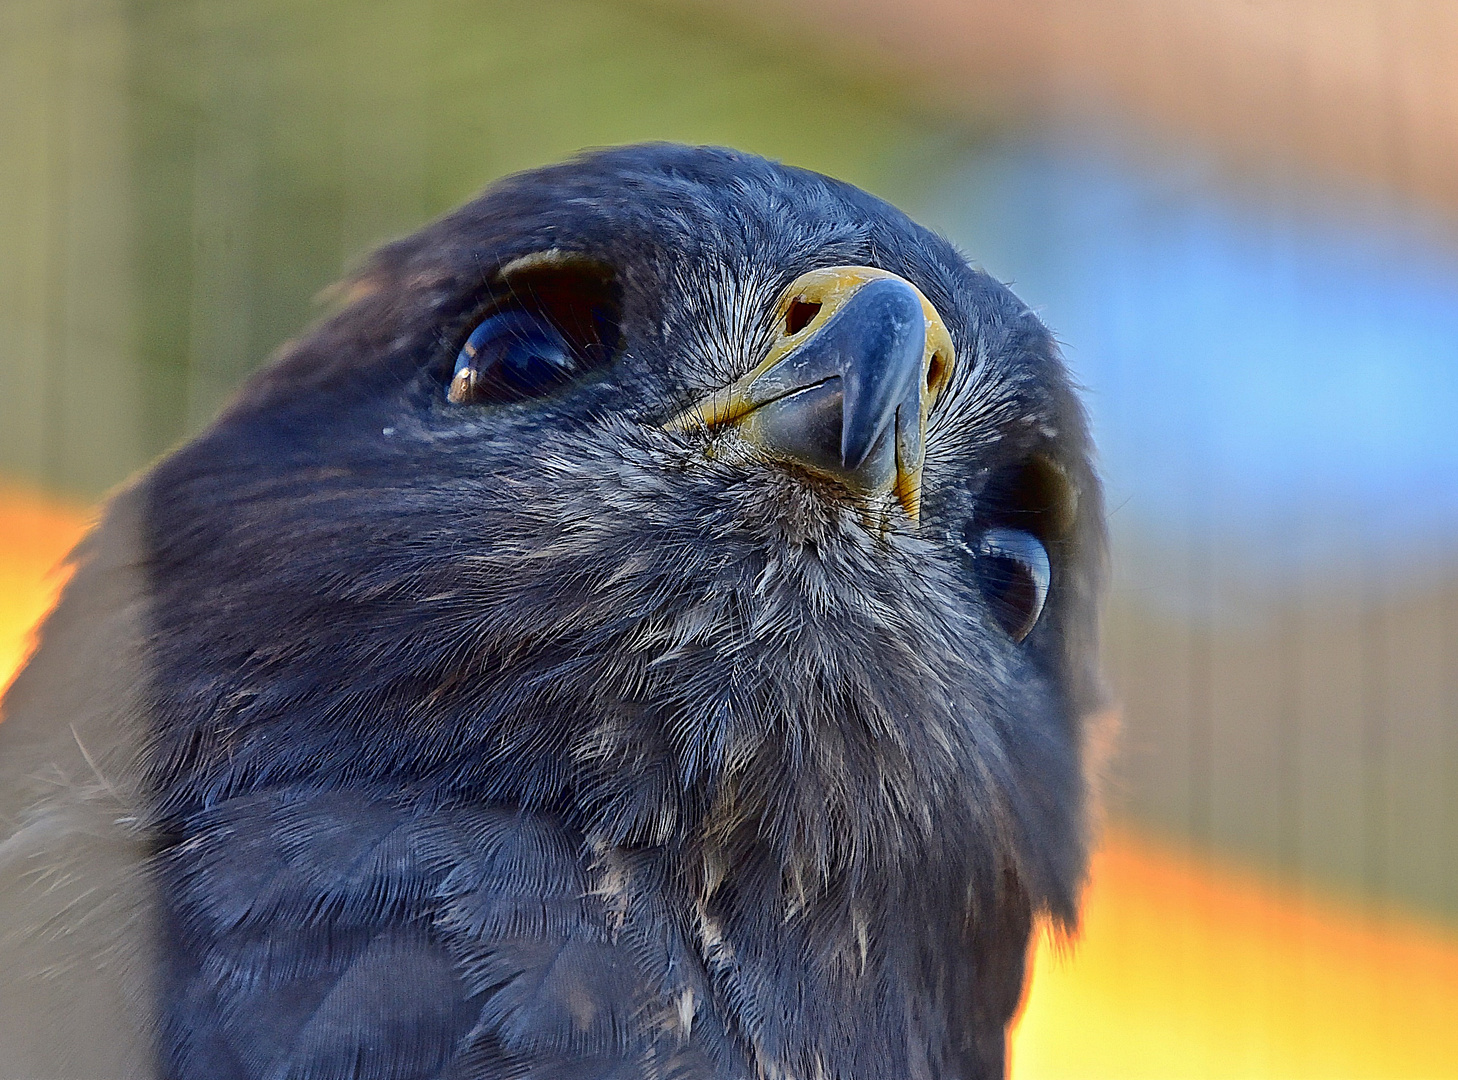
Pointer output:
x,y
554,318
1013,574
511,356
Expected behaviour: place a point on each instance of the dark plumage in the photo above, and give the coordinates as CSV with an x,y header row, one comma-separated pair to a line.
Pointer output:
x,y
392,732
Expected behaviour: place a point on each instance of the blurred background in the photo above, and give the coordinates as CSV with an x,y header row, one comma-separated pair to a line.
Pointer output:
x,y
1240,218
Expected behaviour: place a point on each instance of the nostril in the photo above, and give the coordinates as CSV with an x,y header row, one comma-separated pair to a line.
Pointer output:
x,y
800,314
936,375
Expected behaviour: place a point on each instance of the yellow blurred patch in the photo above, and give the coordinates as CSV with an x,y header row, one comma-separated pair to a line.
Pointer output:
x,y
35,535
1189,968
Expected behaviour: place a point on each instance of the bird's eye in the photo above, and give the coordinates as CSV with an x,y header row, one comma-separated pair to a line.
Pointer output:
x,y
552,318
1013,574
511,356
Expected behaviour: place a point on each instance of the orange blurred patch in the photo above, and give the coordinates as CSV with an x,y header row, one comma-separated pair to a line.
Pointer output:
x,y
1190,968
35,535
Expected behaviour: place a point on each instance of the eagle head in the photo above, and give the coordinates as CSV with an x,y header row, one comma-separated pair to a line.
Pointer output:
x,y
710,512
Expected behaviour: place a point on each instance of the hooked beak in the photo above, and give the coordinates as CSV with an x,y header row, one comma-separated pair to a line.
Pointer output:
x,y
859,357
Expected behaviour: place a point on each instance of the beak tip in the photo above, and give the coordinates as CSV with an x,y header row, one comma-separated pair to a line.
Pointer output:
x,y
835,398
854,449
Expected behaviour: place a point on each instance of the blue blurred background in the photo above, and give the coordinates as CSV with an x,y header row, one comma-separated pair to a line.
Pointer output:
x,y
1239,219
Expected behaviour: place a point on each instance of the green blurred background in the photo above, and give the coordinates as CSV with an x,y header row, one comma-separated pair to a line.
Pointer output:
x,y
1267,322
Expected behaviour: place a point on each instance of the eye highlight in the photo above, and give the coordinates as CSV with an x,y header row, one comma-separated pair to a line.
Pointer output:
x,y
551,317
509,357
1013,573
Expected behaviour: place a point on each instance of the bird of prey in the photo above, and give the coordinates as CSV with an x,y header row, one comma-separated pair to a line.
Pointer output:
x,y
645,631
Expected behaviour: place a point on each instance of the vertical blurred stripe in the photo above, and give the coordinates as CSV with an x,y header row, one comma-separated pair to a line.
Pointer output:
x,y
69,393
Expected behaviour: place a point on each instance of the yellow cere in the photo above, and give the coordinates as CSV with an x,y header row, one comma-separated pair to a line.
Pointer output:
x,y
832,286
825,290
